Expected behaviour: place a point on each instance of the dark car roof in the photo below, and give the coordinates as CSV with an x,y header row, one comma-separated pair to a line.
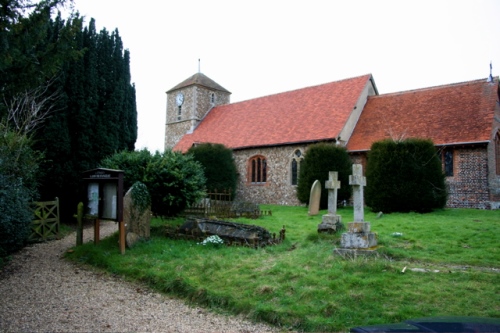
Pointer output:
x,y
437,324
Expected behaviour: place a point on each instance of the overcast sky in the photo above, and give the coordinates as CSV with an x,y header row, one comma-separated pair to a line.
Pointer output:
x,y
262,47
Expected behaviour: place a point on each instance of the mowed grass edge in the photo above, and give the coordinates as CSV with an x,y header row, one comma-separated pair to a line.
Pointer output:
x,y
302,285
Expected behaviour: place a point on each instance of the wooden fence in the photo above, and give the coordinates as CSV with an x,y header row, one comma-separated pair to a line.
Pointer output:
x,y
215,204
45,225
219,204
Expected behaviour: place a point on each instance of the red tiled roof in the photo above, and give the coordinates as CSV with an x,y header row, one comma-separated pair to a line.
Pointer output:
x,y
450,114
305,115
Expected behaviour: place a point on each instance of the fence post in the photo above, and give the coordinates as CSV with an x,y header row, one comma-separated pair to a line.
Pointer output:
x,y
79,229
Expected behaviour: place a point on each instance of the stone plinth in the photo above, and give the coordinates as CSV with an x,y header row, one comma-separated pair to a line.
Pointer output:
x,y
358,237
358,227
330,223
358,241
354,253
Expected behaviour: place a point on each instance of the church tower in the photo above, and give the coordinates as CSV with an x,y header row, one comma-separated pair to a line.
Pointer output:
x,y
188,103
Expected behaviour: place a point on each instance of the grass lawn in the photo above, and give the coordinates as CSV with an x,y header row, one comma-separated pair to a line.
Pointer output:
x,y
301,285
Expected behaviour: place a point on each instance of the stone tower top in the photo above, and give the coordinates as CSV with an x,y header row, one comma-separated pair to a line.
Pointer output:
x,y
202,80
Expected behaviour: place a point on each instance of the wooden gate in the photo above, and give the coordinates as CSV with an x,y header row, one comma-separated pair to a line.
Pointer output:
x,y
45,225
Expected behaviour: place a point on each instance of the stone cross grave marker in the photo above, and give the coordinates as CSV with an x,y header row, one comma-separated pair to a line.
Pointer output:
x,y
359,239
331,222
358,181
332,185
314,198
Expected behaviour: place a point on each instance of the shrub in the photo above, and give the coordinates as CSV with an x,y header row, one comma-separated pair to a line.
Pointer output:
x,y
16,216
133,164
404,176
319,160
219,166
173,180
18,170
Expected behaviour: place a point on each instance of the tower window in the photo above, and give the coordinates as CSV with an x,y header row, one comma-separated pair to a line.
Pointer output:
x,y
179,112
212,98
257,170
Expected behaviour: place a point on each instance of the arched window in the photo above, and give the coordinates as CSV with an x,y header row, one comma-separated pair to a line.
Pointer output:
x,y
295,166
497,152
257,170
179,112
448,162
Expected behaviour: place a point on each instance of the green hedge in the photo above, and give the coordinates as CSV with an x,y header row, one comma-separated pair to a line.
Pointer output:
x,y
404,176
219,166
319,160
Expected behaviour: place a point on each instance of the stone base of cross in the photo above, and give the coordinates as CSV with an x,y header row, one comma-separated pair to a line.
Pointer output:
x,y
330,223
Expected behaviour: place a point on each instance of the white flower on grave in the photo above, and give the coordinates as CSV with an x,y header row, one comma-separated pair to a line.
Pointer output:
x,y
397,234
214,239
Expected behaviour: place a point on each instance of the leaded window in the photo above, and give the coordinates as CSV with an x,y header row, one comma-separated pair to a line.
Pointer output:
x,y
258,170
497,152
448,162
295,166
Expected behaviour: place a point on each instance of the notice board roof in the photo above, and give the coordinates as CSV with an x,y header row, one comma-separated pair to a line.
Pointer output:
x,y
102,173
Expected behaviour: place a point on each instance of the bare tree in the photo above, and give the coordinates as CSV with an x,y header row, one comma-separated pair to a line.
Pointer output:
x,y
28,110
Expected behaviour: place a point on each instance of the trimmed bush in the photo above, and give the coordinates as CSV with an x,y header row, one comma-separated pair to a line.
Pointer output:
x,y
319,160
173,180
404,176
133,163
219,166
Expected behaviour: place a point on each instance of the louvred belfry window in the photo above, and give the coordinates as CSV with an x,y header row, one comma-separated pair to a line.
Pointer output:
x,y
257,170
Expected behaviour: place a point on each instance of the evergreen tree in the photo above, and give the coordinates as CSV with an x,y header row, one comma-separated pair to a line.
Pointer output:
x,y
404,176
219,166
319,160
97,117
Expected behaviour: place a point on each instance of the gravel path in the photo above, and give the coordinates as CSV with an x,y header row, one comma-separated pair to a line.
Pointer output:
x,y
41,292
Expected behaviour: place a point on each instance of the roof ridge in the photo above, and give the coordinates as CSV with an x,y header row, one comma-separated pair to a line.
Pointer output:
x,y
449,85
299,89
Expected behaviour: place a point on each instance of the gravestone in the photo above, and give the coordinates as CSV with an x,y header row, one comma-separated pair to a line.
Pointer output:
x,y
331,222
137,222
359,239
314,198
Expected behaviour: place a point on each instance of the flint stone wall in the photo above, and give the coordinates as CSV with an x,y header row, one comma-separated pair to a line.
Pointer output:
x,y
278,188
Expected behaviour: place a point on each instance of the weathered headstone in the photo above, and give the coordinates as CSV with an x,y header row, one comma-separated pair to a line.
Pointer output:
x,y
358,239
137,220
314,198
331,222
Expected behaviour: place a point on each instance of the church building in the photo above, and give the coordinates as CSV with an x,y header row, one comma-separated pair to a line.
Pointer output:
x,y
270,135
